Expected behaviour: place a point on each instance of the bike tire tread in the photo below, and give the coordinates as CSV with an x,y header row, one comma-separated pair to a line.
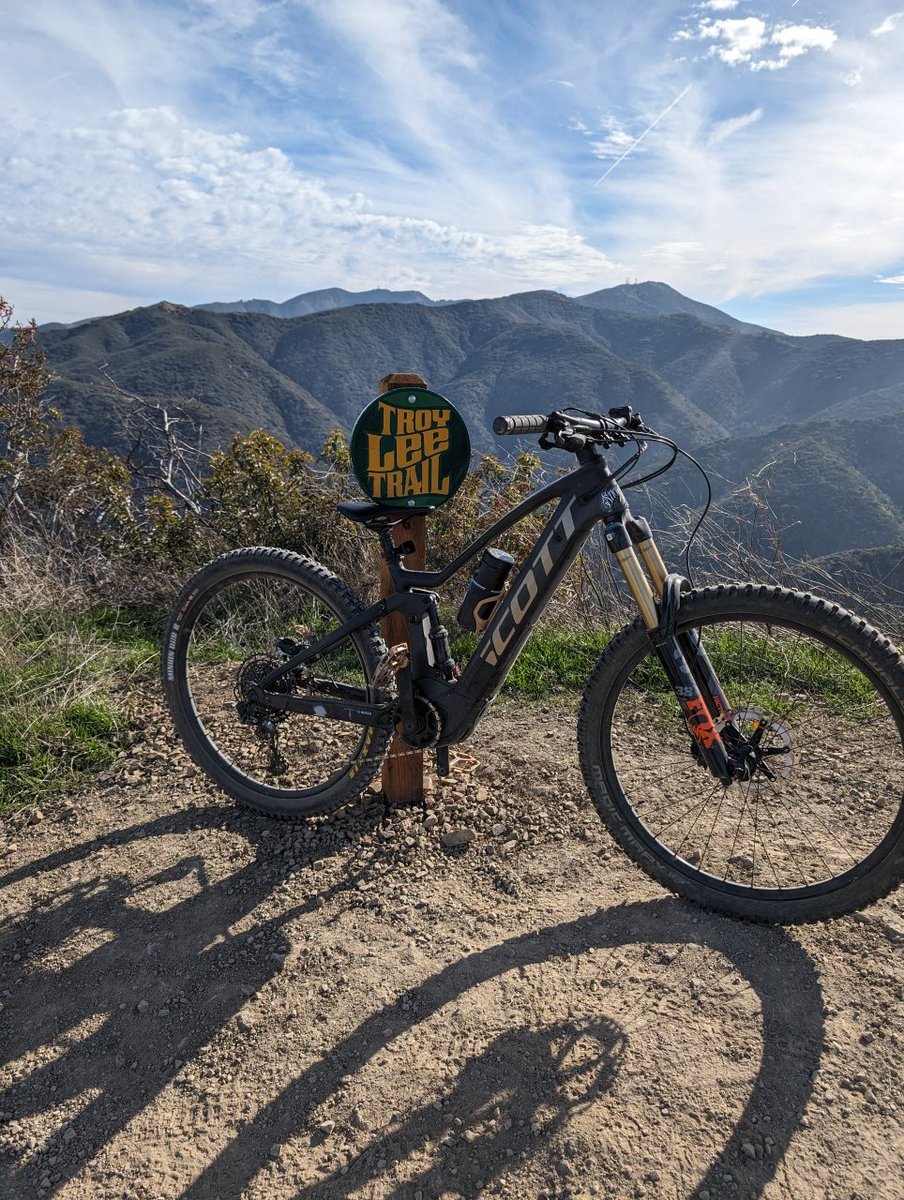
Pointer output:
x,y
852,632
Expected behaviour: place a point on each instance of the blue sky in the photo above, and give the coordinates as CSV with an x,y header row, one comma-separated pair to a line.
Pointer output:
x,y
748,154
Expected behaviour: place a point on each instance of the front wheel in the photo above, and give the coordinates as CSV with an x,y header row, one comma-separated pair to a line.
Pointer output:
x,y
817,828
228,629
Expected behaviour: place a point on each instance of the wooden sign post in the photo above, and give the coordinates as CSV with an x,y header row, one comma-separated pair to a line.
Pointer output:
x,y
403,777
410,452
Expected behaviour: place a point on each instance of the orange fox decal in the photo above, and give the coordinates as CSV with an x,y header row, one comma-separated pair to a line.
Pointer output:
x,y
700,723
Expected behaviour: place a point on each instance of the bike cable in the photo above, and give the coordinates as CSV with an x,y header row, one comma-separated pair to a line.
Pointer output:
x,y
624,468
676,450
650,436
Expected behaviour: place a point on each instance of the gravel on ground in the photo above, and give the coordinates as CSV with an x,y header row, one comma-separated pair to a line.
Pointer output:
x,y
482,996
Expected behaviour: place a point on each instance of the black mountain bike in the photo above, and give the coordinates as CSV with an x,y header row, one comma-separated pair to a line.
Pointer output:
x,y
742,743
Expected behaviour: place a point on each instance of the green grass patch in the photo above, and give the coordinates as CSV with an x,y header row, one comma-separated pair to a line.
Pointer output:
x,y
778,673
554,660
64,680
768,672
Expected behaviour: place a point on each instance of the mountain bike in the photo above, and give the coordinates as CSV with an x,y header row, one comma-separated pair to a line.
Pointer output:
x,y
743,743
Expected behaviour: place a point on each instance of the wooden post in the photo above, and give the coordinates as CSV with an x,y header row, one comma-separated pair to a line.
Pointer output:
x,y
403,777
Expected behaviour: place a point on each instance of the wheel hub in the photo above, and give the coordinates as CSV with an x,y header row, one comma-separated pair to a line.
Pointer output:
x,y
763,755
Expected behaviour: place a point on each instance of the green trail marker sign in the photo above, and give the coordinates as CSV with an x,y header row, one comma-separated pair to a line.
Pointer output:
x,y
410,449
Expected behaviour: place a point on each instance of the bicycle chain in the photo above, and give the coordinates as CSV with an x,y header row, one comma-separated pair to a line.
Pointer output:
x,y
407,753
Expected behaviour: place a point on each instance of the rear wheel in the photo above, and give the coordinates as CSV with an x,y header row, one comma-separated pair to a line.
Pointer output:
x,y
224,636
816,826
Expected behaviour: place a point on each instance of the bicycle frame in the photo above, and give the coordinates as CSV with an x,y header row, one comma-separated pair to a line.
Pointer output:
x,y
586,496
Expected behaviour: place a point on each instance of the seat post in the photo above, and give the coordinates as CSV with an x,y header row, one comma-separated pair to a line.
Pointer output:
x,y
387,541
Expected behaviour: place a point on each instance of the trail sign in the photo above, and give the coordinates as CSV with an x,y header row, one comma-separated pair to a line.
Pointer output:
x,y
410,449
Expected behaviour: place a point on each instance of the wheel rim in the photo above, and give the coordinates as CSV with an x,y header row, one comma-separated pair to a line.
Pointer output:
x,y
833,808
232,641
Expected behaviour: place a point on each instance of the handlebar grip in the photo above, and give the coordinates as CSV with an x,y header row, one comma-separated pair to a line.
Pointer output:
x,y
530,424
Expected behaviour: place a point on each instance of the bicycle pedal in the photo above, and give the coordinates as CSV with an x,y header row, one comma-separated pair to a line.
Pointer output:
x,y
394,660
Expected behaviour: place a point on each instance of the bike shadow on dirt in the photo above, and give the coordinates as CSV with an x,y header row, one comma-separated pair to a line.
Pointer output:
x,y
776,968
149,986
195,975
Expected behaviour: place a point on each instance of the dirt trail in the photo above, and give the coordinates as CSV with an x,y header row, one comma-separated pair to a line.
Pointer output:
x,y
199,1003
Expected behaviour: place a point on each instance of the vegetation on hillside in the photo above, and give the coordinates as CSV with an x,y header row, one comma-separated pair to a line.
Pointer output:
x,y
819,420
93,543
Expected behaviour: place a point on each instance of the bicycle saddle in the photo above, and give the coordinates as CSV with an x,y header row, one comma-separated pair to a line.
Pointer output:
x,y
366,512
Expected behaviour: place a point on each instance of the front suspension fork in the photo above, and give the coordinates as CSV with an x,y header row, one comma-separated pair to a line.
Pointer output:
x,y
696,686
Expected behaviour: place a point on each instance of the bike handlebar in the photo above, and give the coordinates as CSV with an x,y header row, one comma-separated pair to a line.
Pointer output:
x,y
572,423
532,424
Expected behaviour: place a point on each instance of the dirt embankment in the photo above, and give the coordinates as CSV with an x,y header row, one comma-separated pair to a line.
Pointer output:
x,y
199,1003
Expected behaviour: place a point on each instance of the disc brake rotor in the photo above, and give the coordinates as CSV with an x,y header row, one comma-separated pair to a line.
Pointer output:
x,y
771,739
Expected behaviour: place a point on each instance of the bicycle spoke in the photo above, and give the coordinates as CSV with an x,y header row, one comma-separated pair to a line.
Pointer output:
x,y
786,821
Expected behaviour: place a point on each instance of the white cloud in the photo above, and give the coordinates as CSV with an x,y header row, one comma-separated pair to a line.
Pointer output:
x,y
888,25
896,279
726,129
794,40
810,191
616,139
180,209
746,41
738,39
719,5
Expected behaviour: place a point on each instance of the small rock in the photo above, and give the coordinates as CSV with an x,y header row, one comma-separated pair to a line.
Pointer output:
x,y
326,1127
357,1119
458,837
276,1151
142,1006
749,1149
499,829
69,1134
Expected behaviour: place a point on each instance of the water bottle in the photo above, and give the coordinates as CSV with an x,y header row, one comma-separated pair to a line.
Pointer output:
x,y
484,590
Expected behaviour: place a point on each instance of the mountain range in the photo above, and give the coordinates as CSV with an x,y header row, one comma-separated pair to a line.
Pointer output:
x,y
320,301
818,420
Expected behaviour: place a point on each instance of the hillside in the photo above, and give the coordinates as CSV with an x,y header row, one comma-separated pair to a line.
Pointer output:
x,y
820,418
300,377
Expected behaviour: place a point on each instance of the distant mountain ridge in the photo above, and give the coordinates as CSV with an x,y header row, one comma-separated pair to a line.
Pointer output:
x,y
824,417
320,301
652,299
648,299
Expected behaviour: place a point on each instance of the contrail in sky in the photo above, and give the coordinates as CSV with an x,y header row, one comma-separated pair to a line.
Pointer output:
x,y
638,140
